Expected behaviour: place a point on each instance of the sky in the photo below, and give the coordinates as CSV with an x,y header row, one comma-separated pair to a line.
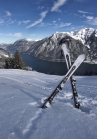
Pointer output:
x,y
37,19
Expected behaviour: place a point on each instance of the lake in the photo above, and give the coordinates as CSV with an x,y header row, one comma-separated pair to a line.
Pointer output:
x,y
58,68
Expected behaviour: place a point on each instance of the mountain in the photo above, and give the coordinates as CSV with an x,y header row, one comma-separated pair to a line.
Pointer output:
x,y
22,45
5,45
3,55
92,44
82,34
49,48
83,41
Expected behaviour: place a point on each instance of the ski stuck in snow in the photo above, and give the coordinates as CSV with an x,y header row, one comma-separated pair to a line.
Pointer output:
x,y
71,70
66,52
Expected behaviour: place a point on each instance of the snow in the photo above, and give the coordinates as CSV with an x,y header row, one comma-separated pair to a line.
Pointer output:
x,y
6,55
3,53
21,95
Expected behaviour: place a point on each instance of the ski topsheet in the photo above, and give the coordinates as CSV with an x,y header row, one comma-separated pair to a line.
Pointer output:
x,y
73,68
65,47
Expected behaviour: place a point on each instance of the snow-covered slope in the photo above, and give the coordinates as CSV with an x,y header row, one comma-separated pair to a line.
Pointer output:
x,y
21,95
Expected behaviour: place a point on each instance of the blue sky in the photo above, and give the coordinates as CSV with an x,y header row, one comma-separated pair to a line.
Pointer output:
x,y
37,19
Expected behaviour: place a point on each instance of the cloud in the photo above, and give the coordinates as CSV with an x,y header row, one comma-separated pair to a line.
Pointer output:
x,y
64,24
55,24
18,34
26,22
58,4
45,24
40,7
8,13
90,17
15,34
60,25
43,15
9,21
6,19
83,12
19,23
54,21
1,21
71,28
92,21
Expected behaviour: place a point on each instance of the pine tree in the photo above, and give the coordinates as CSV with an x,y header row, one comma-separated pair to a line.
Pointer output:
x,y
7,63
18,61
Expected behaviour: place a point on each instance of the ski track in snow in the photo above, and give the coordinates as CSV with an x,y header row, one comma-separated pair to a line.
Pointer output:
x,y
31,124
30,127
27,83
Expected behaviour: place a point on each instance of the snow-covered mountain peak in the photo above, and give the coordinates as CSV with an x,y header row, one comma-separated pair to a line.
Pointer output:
x,y
28,39
58,35
96,33
82,34
24,39
85,32
37,40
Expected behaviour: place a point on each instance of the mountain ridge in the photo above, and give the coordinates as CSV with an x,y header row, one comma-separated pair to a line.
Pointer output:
x,y
83,41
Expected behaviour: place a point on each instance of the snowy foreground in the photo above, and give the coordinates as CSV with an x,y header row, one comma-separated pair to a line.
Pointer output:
x,y
21,95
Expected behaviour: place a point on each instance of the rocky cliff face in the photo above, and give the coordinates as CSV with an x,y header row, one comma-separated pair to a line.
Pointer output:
x,y
49,48
92,44
22,45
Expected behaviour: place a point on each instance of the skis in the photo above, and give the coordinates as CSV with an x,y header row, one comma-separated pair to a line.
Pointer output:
x,y
65,47
73,68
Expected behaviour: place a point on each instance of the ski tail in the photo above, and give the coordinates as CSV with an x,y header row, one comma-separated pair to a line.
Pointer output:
x,y
73,68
